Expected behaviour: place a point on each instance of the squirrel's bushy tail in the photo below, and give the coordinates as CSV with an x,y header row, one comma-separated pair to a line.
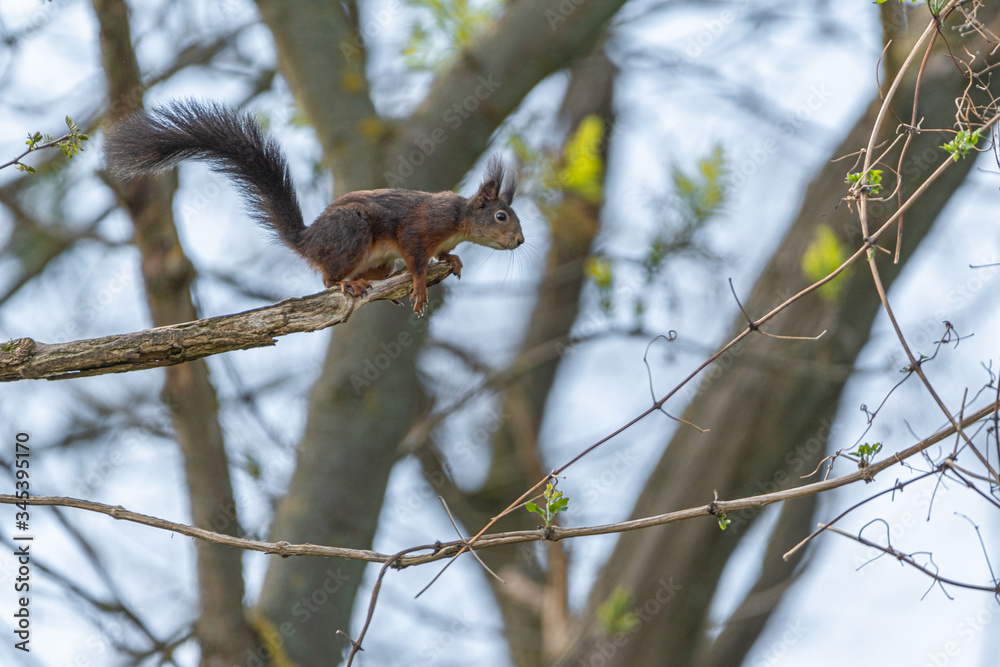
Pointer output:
x,y
230,141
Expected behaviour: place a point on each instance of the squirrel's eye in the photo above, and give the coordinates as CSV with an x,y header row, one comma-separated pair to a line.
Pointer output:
x,y
501,216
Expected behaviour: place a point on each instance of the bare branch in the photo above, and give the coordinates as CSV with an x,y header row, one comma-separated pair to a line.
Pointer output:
x,y
441,550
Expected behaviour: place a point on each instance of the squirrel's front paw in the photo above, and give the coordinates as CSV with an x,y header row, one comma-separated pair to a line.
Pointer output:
x,y
454,262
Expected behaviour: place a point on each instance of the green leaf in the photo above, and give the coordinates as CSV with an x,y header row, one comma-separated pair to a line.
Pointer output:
x,y
963,142
555,502
584,170
599,270
824,254
866,452
873,181
704,193
616,614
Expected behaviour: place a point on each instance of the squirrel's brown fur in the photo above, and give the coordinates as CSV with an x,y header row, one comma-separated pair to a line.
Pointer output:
x,y
359,236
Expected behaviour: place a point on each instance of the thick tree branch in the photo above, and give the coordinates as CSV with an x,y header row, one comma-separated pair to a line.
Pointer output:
x,y
26,358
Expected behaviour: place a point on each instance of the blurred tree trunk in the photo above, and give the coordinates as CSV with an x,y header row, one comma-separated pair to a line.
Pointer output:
x,y
533,602
353,431
770,408
221,628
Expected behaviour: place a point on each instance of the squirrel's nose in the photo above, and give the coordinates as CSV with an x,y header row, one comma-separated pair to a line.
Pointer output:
x,y
519,239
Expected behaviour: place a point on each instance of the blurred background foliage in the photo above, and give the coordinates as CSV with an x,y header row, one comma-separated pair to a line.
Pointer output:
x,y
664,149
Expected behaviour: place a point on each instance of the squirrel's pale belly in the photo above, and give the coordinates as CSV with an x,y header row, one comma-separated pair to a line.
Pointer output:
x,y
386,254
382,254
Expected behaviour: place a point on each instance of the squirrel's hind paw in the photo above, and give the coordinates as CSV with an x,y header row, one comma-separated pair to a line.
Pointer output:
x,y
357,287
419,299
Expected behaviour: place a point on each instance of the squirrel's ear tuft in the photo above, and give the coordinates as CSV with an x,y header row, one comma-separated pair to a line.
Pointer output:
x,y
494,169
509,188
493,186
490,188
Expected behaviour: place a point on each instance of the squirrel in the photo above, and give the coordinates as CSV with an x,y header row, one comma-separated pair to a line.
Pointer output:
x,y
359,236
